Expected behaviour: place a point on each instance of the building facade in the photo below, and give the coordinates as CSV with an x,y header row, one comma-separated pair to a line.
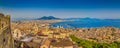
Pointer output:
x,y
6,40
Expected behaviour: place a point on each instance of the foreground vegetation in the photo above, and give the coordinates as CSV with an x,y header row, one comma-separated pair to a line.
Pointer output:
x,y
90,44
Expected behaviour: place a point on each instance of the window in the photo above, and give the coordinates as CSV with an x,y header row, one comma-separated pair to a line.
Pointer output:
x,y
4,40
2,25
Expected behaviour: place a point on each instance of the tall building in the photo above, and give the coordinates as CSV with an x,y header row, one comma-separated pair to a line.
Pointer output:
x,y
6,40
35,29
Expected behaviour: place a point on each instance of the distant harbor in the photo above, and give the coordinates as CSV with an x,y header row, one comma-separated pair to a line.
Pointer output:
x,y
87,24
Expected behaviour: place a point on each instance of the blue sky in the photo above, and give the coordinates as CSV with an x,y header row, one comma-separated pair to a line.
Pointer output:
x,y
61,8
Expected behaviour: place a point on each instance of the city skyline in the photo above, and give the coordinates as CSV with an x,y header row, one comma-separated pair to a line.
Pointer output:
x,y
59,23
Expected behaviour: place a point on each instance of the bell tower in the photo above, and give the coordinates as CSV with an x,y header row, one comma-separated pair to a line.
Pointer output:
x,y
35,28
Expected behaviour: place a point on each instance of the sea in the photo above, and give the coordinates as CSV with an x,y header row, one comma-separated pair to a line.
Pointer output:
x,y
87,24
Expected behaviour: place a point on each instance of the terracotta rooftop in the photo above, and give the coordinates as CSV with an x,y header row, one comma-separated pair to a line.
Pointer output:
x,y
46,42
32,44
62,43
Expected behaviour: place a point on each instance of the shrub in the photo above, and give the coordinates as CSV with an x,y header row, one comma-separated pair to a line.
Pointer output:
x,y
90,44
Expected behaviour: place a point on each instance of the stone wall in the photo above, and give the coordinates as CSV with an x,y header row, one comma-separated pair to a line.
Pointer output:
x,y
6,40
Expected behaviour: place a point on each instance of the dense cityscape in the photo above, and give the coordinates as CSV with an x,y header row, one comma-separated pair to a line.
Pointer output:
x,y
40,34
59,23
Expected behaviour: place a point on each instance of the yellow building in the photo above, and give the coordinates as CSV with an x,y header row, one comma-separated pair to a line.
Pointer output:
x,y
54,32
45,31
17,34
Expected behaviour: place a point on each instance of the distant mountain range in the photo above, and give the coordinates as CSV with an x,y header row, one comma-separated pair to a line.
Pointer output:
x,y
69,19
47,18
78,19
90,19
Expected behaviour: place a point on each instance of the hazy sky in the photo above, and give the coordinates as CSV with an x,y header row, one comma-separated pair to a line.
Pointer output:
x,y
61,8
